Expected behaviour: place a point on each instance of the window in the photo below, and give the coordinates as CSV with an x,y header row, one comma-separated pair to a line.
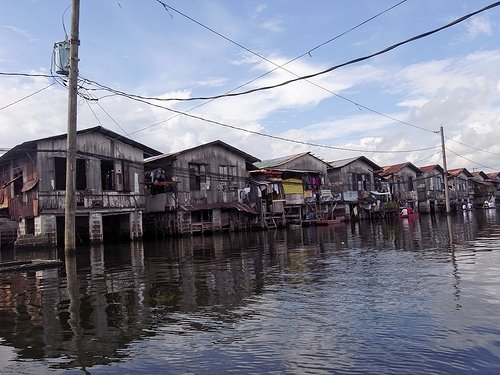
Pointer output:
x,y
60,174
410,183
126,176
227,174
107,175
18,182
360,182
197,176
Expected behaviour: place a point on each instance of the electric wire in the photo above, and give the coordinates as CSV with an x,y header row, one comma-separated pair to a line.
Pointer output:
x,y
472,147
27,96
472,161
350,62
315,74
282,66
270,135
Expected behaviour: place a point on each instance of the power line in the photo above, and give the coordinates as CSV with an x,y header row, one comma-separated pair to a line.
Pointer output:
x,y
280,66
474,148
132,97
28,75
350,62
472,161
27,96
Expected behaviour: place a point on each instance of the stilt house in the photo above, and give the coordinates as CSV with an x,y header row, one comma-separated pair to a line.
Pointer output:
x,y
201,189
357,186
109,188
430,188
294,189
400,181
460,190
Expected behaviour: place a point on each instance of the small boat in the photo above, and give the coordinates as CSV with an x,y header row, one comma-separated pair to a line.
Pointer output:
x,y
490,203
408,216
29,265
407,213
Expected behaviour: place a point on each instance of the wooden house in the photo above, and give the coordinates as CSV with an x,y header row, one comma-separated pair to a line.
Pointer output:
x,y
400,181
430,189
109,189
200,189
460,190
494,178
293,190
484,189
356,186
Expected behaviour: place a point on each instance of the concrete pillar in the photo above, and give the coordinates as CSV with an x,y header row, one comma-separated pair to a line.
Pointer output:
x,y
21,230
95,228
216,219
46,225
136,225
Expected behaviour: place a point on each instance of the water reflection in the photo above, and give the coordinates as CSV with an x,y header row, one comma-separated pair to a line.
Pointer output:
x,y
364,283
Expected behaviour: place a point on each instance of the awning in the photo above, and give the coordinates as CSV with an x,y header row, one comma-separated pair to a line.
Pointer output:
x,y
377,193
28,185
242,207
5,184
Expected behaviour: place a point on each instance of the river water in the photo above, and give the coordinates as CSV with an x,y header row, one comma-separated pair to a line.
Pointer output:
x,y
362,298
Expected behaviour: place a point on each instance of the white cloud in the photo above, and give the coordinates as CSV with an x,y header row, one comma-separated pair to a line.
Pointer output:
x,y
478,25
23,33
274,26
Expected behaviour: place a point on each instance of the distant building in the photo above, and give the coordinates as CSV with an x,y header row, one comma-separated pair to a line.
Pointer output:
x,y
460,190
295,189
484,188
356,182
430,189
400,181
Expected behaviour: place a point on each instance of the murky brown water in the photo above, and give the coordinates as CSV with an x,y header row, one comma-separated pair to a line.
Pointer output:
x,y
363,298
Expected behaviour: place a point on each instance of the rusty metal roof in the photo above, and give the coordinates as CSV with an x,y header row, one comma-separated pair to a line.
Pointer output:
x,y
391,169
429,168
456,172
277,162
249,158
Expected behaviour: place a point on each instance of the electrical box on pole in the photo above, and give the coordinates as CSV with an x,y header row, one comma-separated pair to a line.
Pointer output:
x,y
61,57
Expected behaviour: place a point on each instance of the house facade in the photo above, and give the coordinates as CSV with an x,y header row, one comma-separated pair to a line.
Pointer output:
x,y
109,190
201,189
400,181
484,188
356,184
430,189
294,189
494,178
460,190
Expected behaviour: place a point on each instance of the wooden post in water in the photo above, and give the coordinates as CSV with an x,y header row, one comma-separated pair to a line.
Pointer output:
x,y
446,192
70,197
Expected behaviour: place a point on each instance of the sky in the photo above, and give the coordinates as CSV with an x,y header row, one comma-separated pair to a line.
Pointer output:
x,y
389,108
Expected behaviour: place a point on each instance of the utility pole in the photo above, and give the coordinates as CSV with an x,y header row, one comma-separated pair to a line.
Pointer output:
x,y
70,198
446,192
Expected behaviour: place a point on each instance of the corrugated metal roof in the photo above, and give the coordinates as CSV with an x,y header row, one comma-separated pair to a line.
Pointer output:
x,y
391,169
343,162
274,163
456,172
429,168
247,157
31,145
